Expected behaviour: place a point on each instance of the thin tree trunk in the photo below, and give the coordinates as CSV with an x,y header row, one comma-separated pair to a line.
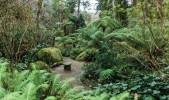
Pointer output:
x,y
134,3
79,8
37,21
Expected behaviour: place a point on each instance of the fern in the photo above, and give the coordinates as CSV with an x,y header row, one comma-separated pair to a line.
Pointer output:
x,y
51,98
41,85
30,91
71,93
55,86
3,74
17,83
122,96
13,96
66,85
104,23
3,92
106,74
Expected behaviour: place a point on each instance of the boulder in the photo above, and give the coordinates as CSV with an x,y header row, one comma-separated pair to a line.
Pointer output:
x,y
39,65
82,56
87,55
56,64
50,55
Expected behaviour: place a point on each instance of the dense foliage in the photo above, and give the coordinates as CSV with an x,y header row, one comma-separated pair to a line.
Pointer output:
x,y
125,48
40,84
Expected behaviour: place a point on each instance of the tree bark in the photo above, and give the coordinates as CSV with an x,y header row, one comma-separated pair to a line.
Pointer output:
x,y
79,8
37,21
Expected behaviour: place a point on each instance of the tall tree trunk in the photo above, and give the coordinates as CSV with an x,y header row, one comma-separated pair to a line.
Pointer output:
x,y
37,21
79,8
134,3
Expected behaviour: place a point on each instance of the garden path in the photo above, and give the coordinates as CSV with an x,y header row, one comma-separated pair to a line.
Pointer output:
x,y
75,72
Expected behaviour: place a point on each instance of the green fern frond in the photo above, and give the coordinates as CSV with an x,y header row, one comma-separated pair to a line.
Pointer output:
x,y
55,84
106,74
122,96
51,98
19,80
72,93
103,96
29,91
13,96
3,92
3,73
65,86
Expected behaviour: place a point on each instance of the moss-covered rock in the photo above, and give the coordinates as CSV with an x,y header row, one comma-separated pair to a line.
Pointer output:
x,y
39,65
82,56
75,52
87,55
56,64
50,55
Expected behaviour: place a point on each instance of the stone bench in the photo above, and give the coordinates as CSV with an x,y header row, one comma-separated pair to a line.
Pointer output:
x,y
67,66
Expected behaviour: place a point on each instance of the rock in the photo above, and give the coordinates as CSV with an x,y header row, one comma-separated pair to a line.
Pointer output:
x,y
67,66
39,65
87,55
50,55
56,64
82,56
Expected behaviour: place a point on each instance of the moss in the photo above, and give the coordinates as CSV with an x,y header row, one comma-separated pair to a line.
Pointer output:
x,y
87,55
82,56
56,64
50,55
39,65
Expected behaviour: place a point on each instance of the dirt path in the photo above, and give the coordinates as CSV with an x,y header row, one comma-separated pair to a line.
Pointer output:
x,y
76,71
